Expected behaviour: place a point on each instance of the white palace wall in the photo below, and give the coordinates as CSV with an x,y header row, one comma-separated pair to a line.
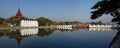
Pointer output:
x,y
64,26
25,32
29,23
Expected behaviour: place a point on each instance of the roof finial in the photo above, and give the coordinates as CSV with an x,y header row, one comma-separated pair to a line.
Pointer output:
x,y
19,12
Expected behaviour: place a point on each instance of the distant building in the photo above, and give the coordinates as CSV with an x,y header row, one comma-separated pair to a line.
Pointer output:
x,y
5,24
80,25
18,15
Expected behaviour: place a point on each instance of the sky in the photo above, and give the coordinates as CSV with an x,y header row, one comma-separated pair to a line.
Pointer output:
x,y
56,10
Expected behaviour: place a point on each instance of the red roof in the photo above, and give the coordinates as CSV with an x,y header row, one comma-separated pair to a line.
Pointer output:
x,y
18,15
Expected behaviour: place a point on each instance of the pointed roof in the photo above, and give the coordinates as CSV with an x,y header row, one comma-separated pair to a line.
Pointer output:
x,y
18,41
19,13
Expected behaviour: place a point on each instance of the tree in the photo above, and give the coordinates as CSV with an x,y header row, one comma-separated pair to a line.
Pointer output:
x,y
8,20
1,20
44,21
16,22
45,32
111,7
99,23
65,23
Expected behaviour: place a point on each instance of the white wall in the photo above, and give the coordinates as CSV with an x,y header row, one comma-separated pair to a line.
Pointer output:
x,y
29,23
25,32
101,26
64,26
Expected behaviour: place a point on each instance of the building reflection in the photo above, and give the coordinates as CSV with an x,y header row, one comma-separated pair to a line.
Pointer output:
x,y
15,34
20,34
25,32
100,29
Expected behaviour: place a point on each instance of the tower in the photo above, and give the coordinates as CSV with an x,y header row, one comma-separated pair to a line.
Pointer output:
x,y
18,15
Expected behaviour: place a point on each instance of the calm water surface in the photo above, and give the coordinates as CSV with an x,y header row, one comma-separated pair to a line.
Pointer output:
x,y
54,38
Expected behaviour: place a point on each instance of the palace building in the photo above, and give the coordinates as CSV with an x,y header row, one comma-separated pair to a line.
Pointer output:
x,y
18,15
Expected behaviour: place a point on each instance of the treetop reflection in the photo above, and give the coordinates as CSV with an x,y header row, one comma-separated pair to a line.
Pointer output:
x,y
40,31
19,34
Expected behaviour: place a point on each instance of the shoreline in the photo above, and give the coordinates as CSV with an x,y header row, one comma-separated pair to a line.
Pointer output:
x,y
18,27
41,27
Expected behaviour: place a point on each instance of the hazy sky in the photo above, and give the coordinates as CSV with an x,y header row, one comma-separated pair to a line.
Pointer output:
x,y
56,10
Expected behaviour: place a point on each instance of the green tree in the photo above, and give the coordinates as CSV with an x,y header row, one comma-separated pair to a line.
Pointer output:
x,y
15,22
45,32
8,20
99,22
1,20
44,21
62,23
111,7
65,23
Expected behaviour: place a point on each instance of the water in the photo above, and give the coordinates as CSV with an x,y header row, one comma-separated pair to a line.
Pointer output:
x,y
59,38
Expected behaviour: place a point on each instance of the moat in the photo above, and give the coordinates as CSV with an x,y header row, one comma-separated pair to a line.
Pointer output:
x,y
59,38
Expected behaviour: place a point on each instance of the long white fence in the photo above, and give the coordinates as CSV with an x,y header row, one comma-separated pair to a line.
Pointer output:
x,y
102,26
64,26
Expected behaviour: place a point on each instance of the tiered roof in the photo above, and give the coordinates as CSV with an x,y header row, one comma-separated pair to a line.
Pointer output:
x,y
18,15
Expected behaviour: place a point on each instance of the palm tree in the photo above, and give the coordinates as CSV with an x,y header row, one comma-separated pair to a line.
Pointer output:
x,y
111,7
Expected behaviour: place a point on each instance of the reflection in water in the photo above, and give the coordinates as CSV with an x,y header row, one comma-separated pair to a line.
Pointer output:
x,y
15,34
116,41
66,28
45,32
4,32
100,29
31,31
20,34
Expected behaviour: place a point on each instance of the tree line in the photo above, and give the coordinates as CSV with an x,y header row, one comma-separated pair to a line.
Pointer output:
x,y
42,21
